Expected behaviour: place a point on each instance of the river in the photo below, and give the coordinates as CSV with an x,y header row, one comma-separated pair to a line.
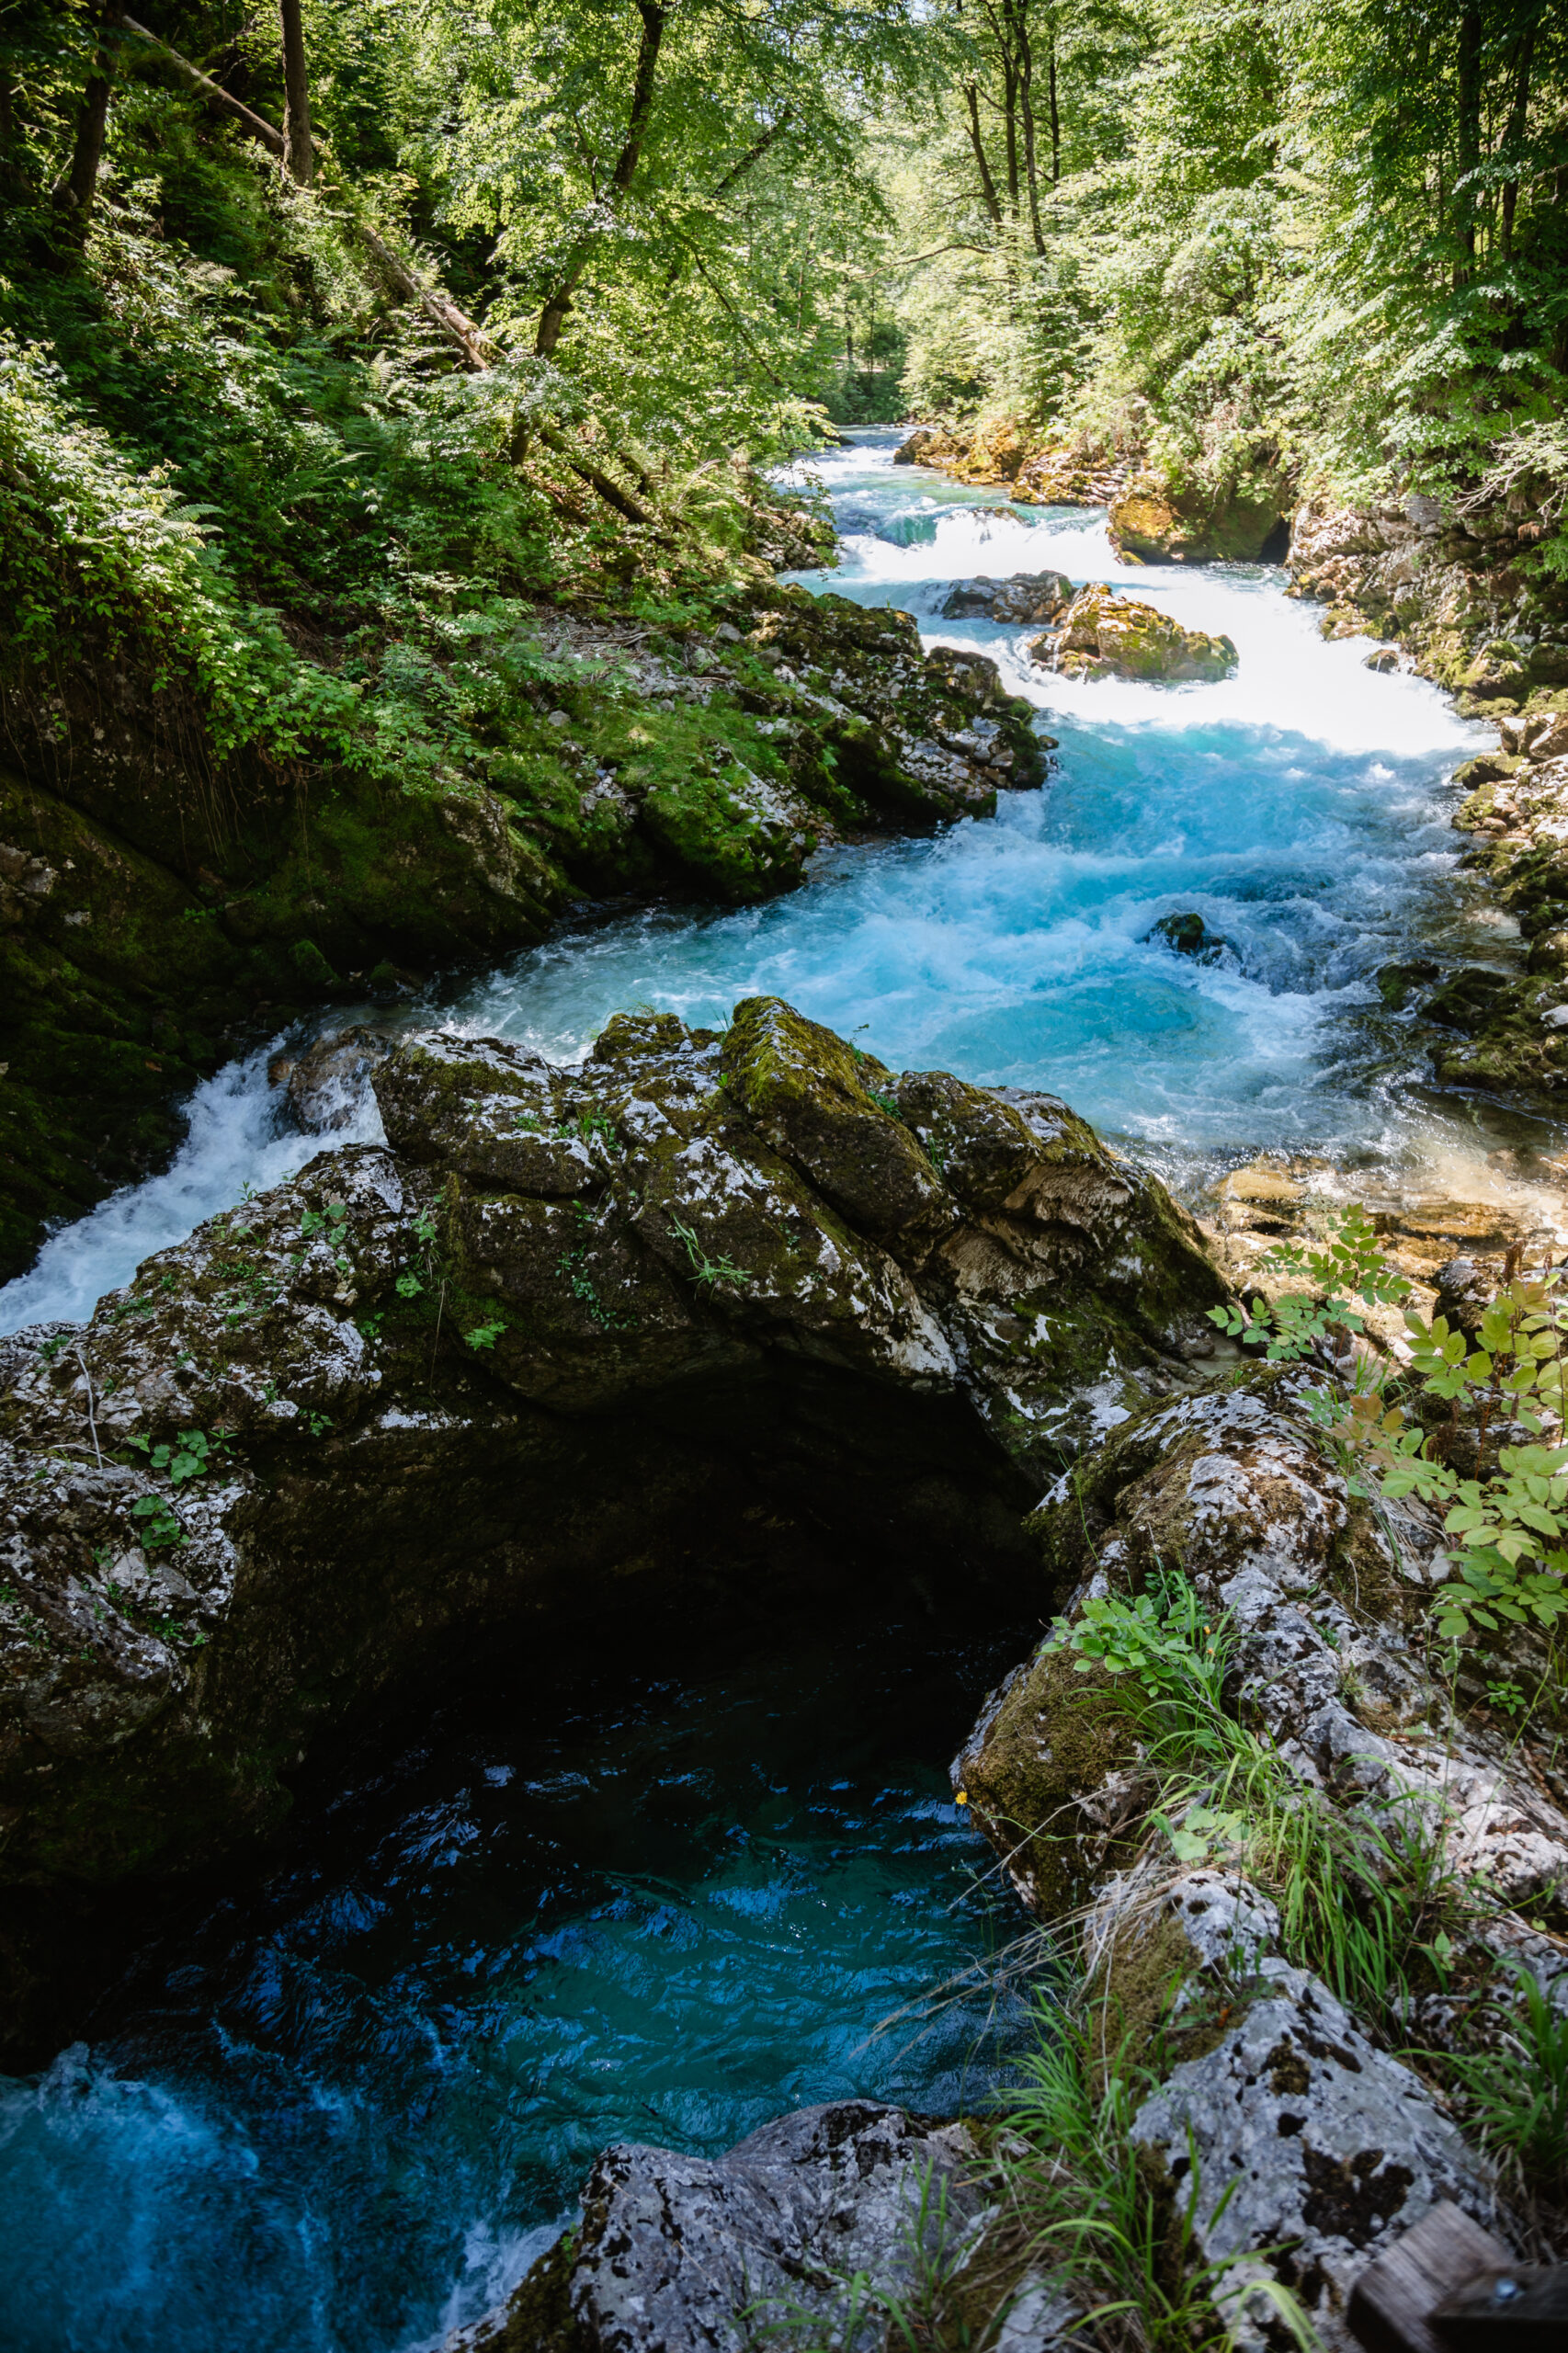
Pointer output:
x,y
337,2113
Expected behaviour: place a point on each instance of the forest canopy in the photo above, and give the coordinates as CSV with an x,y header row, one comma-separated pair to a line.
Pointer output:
x,y
330,328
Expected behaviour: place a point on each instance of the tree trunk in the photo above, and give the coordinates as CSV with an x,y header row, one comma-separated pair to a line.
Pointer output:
x,y
552,318
1026,82
471,340
1055,118
987,184
77,187
1469,140
1518,122
298,147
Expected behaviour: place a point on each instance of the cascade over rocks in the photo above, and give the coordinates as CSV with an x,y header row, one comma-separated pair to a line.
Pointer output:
x,y
644,1331
1102,634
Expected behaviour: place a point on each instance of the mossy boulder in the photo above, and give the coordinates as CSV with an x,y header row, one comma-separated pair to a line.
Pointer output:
x,y
1160,523
570,1335
1051,1775
166,906
1104,635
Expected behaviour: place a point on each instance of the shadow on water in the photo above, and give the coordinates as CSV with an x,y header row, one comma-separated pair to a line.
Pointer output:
x,y
658,1893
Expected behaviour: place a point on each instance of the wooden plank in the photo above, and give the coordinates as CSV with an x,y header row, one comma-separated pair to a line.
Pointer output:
x,y
1392,2301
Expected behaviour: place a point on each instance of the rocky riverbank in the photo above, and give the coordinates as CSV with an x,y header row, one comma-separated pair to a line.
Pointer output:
x,y
747,1310
710,1308
1276,2113
158,909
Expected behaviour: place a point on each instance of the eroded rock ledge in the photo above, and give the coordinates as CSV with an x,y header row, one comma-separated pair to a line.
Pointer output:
x,y
1303,2139
699,1311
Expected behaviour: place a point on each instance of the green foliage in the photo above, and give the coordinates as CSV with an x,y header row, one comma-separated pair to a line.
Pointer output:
x,y
1071,2187
1508,1527
190,1456
1160,1637
1516,2091
1361,1895
708,1271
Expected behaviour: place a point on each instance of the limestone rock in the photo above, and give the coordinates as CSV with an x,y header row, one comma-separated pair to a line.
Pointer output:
x,y
1318,2143
693,2255
1160,525
570,1330
1102,634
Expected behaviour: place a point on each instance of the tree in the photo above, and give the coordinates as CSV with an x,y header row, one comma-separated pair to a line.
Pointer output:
x,y
299,146
76,189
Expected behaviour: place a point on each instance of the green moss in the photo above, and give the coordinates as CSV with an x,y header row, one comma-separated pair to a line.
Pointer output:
x,y
539,2316
1059,1736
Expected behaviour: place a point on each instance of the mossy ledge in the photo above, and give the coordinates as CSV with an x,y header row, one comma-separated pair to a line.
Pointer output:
x,y
161,906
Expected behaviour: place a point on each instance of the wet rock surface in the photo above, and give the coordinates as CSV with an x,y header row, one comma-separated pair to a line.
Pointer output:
x,y
150,922
1102,634
652,1326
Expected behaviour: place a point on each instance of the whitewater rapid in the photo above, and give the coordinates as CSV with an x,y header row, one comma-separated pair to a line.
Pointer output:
x,y
1301,807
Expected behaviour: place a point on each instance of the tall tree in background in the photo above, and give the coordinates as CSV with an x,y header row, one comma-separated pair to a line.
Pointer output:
x,y
77,188
299,146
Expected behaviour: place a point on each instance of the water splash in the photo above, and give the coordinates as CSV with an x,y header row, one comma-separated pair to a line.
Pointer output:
x,y
238,1138
1299,807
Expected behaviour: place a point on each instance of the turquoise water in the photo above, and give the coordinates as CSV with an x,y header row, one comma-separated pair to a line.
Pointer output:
x,y
1300,808
341,2116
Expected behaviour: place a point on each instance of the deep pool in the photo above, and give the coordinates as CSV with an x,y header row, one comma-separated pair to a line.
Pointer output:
x,y
586,1902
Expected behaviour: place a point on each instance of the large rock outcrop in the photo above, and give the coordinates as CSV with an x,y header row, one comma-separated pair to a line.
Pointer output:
x,y
1103,636
667,1324
153,901
1160,521
1456,590
1303,2141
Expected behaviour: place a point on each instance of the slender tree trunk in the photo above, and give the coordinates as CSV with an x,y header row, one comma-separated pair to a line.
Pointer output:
x,y
1010,116
299,148
1518,122
1055,118
987,184
552,318
1469,140
1026,83
77,185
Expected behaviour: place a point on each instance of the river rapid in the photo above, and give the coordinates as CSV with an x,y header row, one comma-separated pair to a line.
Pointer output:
x,y
338,2114
1301,807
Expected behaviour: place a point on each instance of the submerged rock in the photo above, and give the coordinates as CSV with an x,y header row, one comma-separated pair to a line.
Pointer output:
x,y
693,2255
652,1326
1188,934
1102,634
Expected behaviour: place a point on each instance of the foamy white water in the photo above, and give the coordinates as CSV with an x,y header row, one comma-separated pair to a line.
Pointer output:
x,y
239,1141
1300,808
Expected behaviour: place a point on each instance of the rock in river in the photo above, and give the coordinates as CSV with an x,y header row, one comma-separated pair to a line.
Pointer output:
x,y
649,1329
1104,635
